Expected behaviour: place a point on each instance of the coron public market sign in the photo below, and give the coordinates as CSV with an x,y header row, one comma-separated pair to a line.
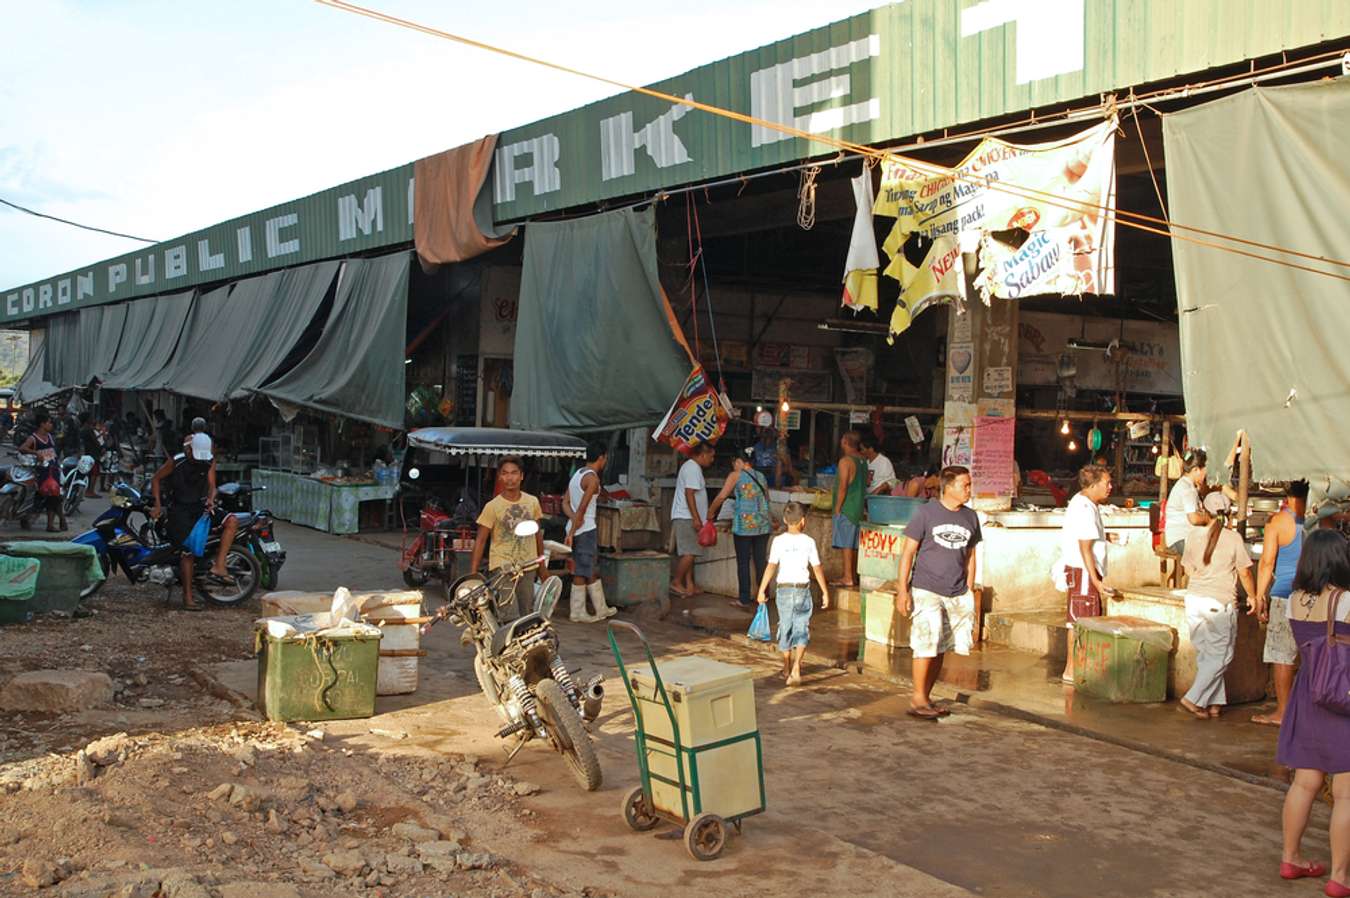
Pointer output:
x,y
353,217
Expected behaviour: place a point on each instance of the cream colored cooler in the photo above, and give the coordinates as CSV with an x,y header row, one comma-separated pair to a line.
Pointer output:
x,y
718,741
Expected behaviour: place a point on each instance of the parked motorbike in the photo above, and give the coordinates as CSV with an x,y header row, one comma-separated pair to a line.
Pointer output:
x,y
431,553
18,494
255,529
519,667
145,555
75,481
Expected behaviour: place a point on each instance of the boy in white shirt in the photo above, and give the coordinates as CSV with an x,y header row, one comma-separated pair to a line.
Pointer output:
x,y
792,559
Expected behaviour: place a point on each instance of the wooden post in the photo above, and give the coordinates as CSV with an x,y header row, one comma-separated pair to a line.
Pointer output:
x,y
1244,483
811,456
1166,454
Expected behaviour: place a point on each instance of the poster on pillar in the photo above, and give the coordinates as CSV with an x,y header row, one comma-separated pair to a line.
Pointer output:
x,y
956,445
992,470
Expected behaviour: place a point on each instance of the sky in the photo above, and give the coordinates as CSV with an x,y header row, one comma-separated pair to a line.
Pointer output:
x,y
156,118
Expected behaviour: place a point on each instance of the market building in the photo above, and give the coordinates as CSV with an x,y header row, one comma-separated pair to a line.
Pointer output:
x,y
569,273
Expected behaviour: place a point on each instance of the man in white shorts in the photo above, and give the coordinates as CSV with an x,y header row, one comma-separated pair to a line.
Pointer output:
x,y
936,585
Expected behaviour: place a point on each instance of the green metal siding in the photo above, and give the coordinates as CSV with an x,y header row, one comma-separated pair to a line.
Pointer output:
x,y
927,77
325,227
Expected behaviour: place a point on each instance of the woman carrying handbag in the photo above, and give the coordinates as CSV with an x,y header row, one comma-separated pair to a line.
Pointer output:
x,y
751,522
48,473
1315,732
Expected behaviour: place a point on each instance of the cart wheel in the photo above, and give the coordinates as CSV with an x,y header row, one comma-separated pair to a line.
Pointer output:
x,y
705,836
637,811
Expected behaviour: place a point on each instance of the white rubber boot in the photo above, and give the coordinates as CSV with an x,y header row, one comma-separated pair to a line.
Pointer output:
x,y
603,611
576,611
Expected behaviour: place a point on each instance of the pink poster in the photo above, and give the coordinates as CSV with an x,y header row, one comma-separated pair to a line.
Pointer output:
x,y
992,456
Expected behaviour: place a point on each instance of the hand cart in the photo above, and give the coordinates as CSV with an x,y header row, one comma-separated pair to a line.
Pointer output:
x,y
696,744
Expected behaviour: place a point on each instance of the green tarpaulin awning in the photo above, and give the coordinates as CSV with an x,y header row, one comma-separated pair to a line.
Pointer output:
x,y
34,386
263,317
149,338
595,349
356,368
1262,344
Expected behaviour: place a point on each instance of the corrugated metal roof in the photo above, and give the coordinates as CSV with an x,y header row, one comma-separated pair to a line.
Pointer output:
x,y
904,69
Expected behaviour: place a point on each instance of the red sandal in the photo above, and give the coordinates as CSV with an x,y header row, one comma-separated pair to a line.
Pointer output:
x,y
1335,890
1294,871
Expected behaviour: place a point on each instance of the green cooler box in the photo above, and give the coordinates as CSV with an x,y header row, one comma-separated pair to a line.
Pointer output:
x,y
67,568
18,582
631,578
317,674
1122,659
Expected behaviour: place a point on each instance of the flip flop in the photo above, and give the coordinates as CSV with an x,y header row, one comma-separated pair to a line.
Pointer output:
x,y
1193,710
195,606
1294,871
924,713
218,580
1265,720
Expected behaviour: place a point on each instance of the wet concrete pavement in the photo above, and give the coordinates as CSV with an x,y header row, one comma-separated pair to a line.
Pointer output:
x,y
862,799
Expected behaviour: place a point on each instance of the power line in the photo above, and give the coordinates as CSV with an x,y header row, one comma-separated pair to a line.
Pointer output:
x,y
75,224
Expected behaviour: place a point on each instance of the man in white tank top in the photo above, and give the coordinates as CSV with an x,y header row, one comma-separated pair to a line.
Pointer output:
x,y
579,505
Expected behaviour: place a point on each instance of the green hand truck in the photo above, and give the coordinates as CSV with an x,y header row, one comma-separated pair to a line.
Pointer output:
x,y
699,753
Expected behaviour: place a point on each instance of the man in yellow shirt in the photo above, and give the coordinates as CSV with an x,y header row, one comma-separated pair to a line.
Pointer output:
x,y
497,524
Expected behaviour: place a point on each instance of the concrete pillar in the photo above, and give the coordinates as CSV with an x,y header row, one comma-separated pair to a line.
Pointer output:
x,y
981,384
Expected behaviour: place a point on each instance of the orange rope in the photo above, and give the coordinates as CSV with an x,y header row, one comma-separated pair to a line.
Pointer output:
x,y
1164,227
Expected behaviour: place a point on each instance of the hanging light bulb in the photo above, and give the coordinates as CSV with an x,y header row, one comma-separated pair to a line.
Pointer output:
x,y
758,409
786,408
1064,427
1154,448
1073,446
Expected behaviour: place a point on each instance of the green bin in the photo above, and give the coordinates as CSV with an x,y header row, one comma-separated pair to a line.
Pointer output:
x,y
317,676
67,568
18,582
631,578
1122,659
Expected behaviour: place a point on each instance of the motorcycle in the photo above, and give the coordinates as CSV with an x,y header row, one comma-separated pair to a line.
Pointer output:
x,y
74,482
255,530
143,552
431,552
18,495
518,665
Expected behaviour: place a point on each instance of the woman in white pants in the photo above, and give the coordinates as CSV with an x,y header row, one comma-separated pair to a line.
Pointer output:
x,y
1215,559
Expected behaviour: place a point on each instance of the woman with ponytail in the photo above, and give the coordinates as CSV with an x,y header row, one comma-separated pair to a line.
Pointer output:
x,y
1215,559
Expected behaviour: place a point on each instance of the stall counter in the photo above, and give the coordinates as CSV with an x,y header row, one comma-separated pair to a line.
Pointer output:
x,y
329,507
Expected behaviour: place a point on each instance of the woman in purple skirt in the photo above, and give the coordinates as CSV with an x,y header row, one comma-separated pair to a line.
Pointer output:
x,y
1313,740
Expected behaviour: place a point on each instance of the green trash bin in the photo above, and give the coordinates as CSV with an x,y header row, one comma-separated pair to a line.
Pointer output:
x,y
67,568
316,672
18,582
1122,659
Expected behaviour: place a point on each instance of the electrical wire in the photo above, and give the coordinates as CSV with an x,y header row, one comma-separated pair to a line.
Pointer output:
x,y
74,224
1146,223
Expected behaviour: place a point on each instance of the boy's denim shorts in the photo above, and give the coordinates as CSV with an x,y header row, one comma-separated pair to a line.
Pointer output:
x,y
794,616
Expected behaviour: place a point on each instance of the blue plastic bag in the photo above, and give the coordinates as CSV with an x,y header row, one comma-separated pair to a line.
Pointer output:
x,y
196,540
759,627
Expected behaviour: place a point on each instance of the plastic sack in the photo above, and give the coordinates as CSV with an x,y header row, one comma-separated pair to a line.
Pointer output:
x,y
707,535
196,540
49,486
759,627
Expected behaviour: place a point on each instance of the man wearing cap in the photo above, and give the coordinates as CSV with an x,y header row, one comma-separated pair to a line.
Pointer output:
x,y
191,478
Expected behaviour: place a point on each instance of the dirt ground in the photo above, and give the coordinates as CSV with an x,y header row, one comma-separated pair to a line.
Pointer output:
x,y
184,793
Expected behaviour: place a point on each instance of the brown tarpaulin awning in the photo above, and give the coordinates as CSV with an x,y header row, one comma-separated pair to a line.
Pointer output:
x,y
452,212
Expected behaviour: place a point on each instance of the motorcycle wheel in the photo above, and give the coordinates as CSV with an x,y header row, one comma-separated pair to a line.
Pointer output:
x,y
106,564
568,734
414,578
486,681
72,502
244,568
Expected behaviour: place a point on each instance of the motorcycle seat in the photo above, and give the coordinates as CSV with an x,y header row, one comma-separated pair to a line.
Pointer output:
x,y
506,632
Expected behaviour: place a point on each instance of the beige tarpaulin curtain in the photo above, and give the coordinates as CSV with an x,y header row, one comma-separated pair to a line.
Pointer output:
x,y
1263,344
452,210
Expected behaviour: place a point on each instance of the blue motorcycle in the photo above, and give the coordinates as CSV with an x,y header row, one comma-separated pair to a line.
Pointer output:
x,y
127,539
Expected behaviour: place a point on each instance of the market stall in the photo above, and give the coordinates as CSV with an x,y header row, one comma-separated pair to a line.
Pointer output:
x,y
329,504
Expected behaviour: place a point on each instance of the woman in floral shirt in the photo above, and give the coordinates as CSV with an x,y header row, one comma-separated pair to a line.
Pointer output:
x,y
751,522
